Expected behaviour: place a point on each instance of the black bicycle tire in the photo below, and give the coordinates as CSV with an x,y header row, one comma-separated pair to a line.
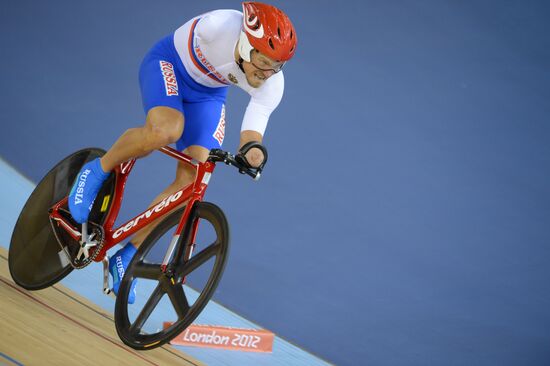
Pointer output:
x,y
20,223
158,339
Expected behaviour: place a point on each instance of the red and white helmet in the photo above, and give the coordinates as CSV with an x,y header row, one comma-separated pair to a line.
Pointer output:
x,y
268,30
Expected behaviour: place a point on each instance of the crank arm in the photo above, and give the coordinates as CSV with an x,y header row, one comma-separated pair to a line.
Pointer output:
x,y
107,290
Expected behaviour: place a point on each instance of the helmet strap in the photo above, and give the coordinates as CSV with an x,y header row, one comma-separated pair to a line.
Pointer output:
x,y
240,64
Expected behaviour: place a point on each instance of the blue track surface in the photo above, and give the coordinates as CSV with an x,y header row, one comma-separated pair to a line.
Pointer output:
x,y
403,218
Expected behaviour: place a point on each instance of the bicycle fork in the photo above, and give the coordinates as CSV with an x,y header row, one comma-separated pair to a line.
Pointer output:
x,y
107,290
189,236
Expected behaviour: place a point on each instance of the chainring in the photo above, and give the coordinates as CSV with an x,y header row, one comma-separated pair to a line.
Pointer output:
x,y
71,247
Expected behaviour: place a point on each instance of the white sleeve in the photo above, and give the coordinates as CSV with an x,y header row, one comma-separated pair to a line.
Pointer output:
x,y
264,100
213,24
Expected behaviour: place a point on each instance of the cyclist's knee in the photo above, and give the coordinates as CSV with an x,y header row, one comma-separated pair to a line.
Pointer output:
x,y
163,126
197,152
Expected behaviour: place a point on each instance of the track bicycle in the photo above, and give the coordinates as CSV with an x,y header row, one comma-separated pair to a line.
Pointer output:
x,y
47,244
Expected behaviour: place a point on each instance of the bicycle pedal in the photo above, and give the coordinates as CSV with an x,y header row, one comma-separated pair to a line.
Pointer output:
x,y
109,292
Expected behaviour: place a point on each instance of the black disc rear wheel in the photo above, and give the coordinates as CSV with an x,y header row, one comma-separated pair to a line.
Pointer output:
x,y
35,258
185,303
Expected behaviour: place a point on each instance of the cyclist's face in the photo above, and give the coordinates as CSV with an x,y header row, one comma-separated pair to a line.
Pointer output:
x,y
260,68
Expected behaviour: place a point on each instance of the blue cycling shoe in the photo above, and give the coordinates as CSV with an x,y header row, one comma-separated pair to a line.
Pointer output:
x,y
85,189
117,267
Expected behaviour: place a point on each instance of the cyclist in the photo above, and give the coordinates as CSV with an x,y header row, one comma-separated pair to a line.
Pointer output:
x,y
184,80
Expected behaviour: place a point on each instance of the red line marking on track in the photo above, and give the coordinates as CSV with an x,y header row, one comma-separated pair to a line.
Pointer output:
x,y
77,322
10,360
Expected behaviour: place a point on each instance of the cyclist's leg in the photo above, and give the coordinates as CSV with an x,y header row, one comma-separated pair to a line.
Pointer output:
x,y
163,126
205,130
202,107
161,92
184,176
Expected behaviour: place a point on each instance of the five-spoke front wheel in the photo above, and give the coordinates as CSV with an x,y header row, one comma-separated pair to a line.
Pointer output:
x,y
139,325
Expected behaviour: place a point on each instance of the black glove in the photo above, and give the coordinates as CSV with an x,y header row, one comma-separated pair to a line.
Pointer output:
x,y
241,155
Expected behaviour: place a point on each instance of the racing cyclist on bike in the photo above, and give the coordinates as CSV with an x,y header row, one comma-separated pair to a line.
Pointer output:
x,y
184,80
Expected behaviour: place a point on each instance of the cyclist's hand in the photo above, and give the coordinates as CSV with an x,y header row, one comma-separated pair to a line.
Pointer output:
x,y
252,155
255,157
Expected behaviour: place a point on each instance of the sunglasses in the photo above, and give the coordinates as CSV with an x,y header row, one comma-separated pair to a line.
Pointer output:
x,y
274,70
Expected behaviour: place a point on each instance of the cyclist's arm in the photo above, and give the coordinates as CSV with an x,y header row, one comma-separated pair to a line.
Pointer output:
x,y
262,102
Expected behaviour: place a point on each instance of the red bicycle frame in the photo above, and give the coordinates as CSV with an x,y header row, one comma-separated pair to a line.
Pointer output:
x,y
191,193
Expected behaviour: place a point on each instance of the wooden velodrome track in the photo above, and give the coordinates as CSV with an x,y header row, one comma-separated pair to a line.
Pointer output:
x,y
55,326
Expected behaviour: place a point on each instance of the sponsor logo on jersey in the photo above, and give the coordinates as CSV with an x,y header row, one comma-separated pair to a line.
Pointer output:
x,y
170,82
219,134
168,201
232,78
208,65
